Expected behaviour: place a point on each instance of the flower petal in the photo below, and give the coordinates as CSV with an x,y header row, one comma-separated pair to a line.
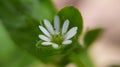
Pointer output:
x,y
42,37
65,27
57,23
67,42
55,46
46,43
71,33
44,31
48,26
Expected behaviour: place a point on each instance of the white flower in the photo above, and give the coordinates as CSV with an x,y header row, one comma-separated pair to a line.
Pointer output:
x,y
56,36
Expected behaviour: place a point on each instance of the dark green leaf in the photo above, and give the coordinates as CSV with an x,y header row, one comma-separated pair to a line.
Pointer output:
x,y
74,16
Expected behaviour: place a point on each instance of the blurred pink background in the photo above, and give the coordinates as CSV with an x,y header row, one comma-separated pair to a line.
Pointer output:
x,y
105,14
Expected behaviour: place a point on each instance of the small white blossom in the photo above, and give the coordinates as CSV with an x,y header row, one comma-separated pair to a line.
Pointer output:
x,y
55,36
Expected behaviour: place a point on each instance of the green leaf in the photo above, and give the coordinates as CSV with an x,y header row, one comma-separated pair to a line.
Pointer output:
x,y
10,54
91,36
21,19
74,16
6,44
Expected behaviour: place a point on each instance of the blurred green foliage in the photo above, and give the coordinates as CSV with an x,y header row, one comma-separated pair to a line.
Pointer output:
x,y
20,20
11,55
19,26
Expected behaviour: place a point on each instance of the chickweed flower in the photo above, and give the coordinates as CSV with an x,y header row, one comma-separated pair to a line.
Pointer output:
x,y
54,35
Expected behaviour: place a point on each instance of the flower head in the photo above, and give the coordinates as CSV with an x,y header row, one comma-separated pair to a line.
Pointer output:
x,y
56,36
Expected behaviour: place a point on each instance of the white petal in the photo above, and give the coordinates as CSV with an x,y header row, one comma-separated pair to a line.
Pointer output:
x,y
65,26
55,46
57,23
71,33
46,43
48,26
67,42
42,37
44,31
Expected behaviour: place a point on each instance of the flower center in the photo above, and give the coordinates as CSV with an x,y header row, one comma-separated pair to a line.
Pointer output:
x,y
57,38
